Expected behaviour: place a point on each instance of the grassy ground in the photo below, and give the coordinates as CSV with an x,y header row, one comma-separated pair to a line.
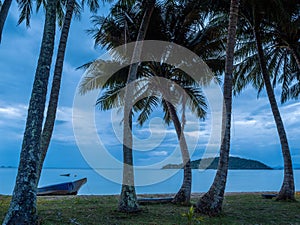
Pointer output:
x,y
89,210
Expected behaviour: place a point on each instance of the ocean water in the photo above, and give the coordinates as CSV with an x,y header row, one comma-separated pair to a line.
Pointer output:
x,y
107,181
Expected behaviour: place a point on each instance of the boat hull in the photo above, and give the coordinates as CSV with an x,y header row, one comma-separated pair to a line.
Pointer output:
x,y
68,188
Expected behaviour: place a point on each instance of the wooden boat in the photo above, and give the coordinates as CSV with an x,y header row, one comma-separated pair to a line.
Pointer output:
x,y
68,188
269,196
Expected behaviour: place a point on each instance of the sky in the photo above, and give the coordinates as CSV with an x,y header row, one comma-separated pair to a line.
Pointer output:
x,y
254,134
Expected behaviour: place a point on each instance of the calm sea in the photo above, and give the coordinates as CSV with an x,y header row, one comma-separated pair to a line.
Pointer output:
x,y
154,181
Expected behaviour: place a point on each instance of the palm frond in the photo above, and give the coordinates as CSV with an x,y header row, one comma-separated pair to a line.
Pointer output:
x,y
196,101
85,66
25,6
146,107
112,98
39,3
98,74
77,10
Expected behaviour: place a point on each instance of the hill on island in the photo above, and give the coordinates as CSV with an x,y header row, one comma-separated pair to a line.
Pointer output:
x,y
235,163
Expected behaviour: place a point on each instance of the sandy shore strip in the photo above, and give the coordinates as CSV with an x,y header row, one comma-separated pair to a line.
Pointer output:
x,y
166,195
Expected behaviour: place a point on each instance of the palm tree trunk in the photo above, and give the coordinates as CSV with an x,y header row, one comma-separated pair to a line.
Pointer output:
x,y
22,209
211,202
128,199
287,190
3,15
53,102
183,196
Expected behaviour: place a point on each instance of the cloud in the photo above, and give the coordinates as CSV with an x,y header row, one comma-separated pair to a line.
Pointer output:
x,y
13,117
197,134
17,112
159,153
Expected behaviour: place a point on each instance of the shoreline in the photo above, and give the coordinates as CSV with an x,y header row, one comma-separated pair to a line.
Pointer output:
x,y
160,195
165,195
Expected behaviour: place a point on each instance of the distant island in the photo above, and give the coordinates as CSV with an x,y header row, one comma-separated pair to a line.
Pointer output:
x,y
235,163
7,167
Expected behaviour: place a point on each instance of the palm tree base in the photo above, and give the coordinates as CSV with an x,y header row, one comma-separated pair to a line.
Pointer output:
x,y
128,200
209,204
22,209
286,193
182,197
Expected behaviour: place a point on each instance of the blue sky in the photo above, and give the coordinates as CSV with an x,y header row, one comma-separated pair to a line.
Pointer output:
x,y
254,133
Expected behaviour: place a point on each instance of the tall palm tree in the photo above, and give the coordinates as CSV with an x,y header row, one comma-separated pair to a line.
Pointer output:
x,y
71,8
197,105
22,209
52,107
189,28
117,21
211,202
128,199
55,88
287,190
267,54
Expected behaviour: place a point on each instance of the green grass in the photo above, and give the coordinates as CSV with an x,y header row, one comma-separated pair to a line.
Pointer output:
x,y
238,209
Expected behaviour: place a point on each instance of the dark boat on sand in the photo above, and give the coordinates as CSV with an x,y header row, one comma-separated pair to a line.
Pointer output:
x,y
68,188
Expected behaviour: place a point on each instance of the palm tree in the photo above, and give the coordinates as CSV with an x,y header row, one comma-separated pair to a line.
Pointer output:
x,y
71,7
128,199
211,202
267,54
22,209
287,190
52,107
55,88
117,21
197,105
188,27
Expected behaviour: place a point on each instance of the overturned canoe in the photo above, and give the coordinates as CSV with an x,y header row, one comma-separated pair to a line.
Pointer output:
x,y
269,196
68,188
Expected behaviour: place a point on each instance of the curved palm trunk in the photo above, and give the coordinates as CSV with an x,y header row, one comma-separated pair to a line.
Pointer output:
x,y
128,199
183,196
53,102
287,190
22,209
3,15
211,202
